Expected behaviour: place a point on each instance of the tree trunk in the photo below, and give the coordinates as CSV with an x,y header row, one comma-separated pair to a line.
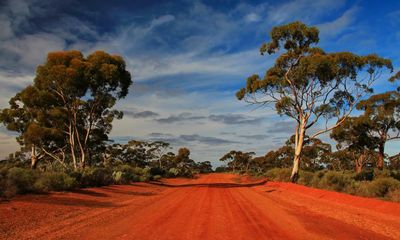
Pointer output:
x,y
34,157
381,157
72,145
360,162
80,145
299,140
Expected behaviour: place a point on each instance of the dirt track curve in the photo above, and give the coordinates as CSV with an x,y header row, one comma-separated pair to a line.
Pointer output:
x,y
214,206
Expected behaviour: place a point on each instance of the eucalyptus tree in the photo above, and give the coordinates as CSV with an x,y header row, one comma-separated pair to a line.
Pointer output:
x,y
308,84
73,95
355,141
238,159
382,119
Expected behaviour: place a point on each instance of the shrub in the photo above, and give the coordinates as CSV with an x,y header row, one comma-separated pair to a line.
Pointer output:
x,y
395,175
364,176
55,181
317,178
173,172
279,174
157,177
336,181
394,195
306,178
156,171
378,188
96,177
381,173
19,181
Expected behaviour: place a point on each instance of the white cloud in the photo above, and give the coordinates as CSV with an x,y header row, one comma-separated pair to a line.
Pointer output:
x,y
337,26
252,17
304,10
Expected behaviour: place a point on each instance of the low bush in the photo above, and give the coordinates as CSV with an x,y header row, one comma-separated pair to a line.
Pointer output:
x,y
394,195
395,175
378,188
172,172
55,181
157,177
364,176
96,177
336,181
306,178
16,180
279,174
378,184
20,181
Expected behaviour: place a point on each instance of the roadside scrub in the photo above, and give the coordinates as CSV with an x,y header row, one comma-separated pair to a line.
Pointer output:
x,y
378,184
19,180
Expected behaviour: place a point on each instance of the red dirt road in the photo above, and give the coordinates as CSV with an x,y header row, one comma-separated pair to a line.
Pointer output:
x,y
214,206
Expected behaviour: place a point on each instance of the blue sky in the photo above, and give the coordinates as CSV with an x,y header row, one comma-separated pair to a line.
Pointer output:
x,y
187,58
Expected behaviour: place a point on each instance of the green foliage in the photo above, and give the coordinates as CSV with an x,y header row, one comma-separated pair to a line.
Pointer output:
x,y
336,181
157,177
279,174
364,176
20,181
55,181
221,169
173,172
238,160
306,178
96,177
380,187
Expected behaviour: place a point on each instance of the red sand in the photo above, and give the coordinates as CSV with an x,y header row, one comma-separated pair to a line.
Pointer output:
x,y
214,206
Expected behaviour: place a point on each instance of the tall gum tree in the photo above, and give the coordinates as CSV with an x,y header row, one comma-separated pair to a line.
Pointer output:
x,y
309,85
74,96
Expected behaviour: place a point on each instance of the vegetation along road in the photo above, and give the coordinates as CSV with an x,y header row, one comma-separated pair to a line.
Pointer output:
x,y
213,206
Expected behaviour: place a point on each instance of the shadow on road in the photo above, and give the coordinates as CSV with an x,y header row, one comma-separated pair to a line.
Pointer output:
x,y
211,185
71,201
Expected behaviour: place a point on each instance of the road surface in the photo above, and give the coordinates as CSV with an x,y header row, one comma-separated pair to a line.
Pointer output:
x,y
213,206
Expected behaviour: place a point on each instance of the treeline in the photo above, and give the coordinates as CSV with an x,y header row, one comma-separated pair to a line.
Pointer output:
x,y
63,121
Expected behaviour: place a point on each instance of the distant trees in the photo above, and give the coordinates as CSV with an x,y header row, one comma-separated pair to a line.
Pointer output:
x,y
238,160
315,155
367,134
382,118
353,139
308,84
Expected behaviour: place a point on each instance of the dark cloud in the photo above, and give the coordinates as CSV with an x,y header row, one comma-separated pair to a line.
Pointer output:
x,y
234,119
205,140
282,127
183,117
228,133
160,135
186,139
142,114
256,136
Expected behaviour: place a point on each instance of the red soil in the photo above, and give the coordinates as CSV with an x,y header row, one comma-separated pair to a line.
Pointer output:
x,y
214,206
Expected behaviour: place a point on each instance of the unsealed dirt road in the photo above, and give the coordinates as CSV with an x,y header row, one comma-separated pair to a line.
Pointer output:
x,y
214,206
